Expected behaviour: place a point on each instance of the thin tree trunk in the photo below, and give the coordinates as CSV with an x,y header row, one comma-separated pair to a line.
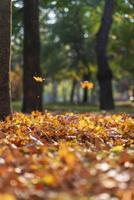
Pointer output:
x,y
85,90
32,90
5,38
54,91
78,92
104,72
79,47
72,91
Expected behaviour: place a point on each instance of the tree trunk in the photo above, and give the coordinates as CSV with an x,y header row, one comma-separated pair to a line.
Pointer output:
x,y
54,91
104,72
85,90
32,90
5,37
78,92
72,91
64,94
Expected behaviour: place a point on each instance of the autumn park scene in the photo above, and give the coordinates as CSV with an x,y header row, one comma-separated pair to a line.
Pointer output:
x,y
66,100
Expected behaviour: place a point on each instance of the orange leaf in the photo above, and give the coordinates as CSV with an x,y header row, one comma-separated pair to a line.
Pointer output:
x,y
87,84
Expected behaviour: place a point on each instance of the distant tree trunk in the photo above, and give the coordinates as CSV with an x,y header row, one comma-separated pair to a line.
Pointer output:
x,y
64,94
72,91
54,91
104,72
80,49
5,37
85,90
32,90
78,92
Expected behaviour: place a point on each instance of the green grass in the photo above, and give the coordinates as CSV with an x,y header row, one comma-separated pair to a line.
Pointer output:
x,y
16,106
121,107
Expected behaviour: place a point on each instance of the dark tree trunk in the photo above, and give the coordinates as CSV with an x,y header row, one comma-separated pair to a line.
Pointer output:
x,y
85,90
72,91
104,72
85,95
32,90
5,37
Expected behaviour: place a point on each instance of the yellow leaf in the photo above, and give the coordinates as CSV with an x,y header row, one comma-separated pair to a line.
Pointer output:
x,y
49,179
67,156
38,79
7,196
117,149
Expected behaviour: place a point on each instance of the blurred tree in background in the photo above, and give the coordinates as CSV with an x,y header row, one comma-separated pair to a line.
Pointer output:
x,y
104,74
5,34
68,37
32,90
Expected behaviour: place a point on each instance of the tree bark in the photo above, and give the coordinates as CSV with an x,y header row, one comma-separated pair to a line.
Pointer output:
x,y
73,91
78,92
54,91
32,90
86,77
104,72
5,61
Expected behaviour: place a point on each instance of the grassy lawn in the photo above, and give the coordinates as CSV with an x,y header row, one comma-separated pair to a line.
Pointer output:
x,y
121,107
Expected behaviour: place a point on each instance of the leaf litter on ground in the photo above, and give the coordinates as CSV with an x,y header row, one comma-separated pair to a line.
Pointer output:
x,y
67,156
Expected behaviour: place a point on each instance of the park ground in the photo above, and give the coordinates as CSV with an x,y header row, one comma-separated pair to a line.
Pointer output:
x,y
59,50
67,155
120,107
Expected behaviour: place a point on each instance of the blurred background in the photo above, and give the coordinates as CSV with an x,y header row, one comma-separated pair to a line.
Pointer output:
x,y
68,32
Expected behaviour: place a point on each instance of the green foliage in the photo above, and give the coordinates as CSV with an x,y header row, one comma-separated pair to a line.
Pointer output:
x,y
121,40
65,23
17,32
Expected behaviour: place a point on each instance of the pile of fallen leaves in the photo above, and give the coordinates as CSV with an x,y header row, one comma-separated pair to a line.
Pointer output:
x,y
67,157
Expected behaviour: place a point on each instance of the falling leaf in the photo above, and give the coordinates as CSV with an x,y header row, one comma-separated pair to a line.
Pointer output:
x,y
87,84
38,79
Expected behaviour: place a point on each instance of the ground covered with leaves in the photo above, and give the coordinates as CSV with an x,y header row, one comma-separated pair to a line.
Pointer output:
x,y
67,157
